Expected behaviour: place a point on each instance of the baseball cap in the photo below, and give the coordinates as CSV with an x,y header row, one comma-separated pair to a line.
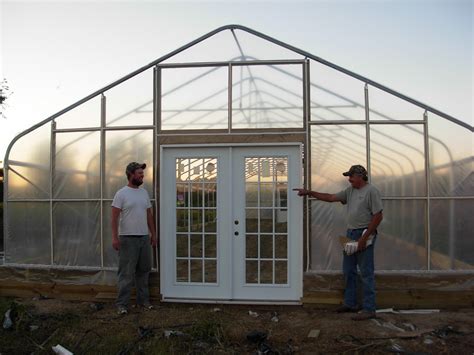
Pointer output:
x,y
355,170
131,167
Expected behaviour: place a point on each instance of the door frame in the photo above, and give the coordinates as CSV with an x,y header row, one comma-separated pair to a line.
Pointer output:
x,y
162,252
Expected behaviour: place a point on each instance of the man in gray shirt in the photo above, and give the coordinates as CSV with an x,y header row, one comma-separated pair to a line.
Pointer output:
x,y
364,212
132,223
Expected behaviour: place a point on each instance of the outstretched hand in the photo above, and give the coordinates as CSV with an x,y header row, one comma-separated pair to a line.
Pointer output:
x,y
302,192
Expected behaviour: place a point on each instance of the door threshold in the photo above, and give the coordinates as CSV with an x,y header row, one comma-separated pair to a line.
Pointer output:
x,y
230,301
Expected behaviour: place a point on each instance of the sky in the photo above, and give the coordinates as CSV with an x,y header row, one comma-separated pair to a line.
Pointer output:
x,y
55,53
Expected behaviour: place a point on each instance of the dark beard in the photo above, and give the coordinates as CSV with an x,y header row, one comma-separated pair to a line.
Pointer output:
x,y
136,182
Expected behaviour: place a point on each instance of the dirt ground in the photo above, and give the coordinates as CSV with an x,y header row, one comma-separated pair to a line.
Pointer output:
x,y
87,328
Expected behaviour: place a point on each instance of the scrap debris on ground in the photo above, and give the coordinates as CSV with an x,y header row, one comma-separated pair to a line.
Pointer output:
x,y
41,326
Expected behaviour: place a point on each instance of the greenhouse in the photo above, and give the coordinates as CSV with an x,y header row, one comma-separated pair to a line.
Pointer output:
x,y
228,125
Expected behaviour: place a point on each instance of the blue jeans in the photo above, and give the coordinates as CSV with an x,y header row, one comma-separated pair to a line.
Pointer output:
x,y
134,268
365,260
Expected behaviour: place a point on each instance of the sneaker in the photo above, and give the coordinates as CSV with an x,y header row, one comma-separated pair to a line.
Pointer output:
x,y
346,309
122,311
364,315
147,305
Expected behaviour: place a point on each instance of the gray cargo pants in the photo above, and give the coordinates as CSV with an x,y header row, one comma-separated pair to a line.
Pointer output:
x,y
134,266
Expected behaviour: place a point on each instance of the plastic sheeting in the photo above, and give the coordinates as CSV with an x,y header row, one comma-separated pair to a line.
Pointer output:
x,y
262,97
122,147
28,238
267,96
131,103
398,160
451,158
194,98
29,165
77,165
76,233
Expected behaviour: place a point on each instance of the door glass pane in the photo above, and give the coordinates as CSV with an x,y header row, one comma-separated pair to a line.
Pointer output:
x,y
251,246
182,245
266,203
281,272
182,270
182,222
281,247
266,221
210,271
266,272
251,271
196,245
251,220
182,195
210,195
196,270
210,220
266,246
251,194
196,195
266,195
196,220
210,246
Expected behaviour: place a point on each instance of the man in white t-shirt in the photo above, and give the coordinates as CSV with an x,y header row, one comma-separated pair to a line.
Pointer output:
x,y
133,234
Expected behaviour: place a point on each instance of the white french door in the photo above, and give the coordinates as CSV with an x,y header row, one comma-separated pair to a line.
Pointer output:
x,y
230,226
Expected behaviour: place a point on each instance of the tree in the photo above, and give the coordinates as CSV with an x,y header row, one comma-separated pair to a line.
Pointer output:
x,y
4,94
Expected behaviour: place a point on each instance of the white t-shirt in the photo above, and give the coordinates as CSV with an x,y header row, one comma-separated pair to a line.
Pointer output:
x,y
134,204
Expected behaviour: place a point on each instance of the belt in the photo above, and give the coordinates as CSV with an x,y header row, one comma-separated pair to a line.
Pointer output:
x,y
134,235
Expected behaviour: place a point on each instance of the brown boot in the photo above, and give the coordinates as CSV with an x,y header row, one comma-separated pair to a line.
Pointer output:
x,y
364,315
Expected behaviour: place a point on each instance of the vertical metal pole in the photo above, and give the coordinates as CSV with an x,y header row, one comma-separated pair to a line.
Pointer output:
x,y
5,206
229,98
307,155
103,103
156,130
52,154
428,189
367,131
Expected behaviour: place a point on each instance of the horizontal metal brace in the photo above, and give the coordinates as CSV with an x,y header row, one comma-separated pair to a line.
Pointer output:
x,y
231,63
97,129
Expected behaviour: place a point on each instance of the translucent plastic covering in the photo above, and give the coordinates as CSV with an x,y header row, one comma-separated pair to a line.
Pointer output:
x,y
427,221
76,230
335,96
85,115
123,147
267,96
131,103
397,168
28,173
194,98
28,239
226,46
77,165
451,158
452,229
398,159
385,106
334,149
401,244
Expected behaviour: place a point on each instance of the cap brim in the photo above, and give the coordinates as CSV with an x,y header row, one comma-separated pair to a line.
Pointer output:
x,y
143,166
347,173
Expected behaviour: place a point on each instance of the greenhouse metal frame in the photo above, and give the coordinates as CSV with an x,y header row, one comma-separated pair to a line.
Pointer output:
x,y
305,128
